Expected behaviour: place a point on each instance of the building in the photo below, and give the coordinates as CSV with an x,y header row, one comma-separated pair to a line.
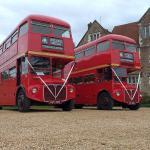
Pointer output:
x,y
95,30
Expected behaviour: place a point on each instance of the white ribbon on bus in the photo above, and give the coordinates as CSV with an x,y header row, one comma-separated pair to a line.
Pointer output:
x,y
137,85
55,96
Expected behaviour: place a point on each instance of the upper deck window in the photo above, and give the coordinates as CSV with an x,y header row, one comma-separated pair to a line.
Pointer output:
x,y
1,49
8,43
90,51
117,45
23,29
14,37
103,46
131,47
40,27
79,55
61,31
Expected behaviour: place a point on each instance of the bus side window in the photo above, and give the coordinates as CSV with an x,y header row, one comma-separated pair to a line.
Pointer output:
x,y
70,80
78,80
12,72
89,78
5,75
23,29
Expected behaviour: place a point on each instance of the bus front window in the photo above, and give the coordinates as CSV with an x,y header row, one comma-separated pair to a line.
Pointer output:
x,y
118,45
41,65
61,31
131,47
121,74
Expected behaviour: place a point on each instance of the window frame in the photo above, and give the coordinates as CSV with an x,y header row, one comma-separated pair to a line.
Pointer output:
x,y
76,53
90,49
40,24
105,43
14,36
14,74
23,29
120,42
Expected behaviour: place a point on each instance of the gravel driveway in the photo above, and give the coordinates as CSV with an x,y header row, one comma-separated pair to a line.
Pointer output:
x,y
84,129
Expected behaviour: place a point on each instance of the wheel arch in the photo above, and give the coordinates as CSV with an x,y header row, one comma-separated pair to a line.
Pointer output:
x,y
102,91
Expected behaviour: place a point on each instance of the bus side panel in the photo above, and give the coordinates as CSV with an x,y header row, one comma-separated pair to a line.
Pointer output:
x,y
7,94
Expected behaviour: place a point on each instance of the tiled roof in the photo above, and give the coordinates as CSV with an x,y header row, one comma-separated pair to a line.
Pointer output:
x,y
131,30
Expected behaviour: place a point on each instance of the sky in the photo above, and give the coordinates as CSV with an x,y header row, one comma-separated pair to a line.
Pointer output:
x,y
78,13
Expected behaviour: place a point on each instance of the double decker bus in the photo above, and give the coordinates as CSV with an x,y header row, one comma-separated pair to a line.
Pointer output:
x,y
101,71
32,61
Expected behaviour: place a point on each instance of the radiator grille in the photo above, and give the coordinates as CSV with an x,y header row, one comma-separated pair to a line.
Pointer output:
x,y
55,89
131,93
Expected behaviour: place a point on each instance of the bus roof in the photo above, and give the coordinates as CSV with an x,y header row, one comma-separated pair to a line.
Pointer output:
x,y
106,37
46,19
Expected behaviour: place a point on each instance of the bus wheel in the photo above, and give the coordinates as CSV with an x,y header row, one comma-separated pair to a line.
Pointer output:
x,y
23,102
134,107
78,106
1,108
104,102
68,106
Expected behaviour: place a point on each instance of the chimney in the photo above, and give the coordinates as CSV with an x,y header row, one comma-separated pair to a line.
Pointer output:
x,y
89,25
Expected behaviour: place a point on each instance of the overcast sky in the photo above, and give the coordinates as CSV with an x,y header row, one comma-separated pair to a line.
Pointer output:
x,y
77,12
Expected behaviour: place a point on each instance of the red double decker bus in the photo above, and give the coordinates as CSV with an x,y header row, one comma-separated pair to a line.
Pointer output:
x,y
101,71
32,59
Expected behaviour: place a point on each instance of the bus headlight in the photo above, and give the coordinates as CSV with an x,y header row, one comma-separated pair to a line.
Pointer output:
x,y
118,93
71,90
34,90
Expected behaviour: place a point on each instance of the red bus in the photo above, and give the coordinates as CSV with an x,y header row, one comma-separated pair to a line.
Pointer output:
x,y
101,71
32,59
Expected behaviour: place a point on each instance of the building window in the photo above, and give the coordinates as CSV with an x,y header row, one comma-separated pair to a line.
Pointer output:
x,y
93,36
132,79
145,31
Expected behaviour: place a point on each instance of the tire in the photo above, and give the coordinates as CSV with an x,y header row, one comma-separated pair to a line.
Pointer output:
x,y
23,102
105,102
1,108
78,106
134,107
124,106
68,106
